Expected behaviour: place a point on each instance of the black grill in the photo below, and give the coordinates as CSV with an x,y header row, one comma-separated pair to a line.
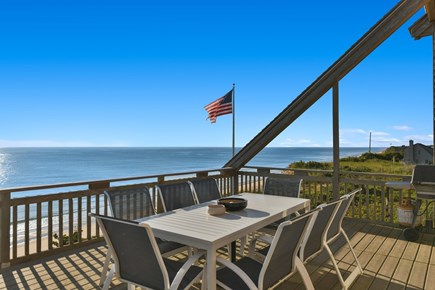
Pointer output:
x,y
423,181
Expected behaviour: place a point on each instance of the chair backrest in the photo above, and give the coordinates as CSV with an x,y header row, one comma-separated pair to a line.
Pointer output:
x,y
280,259
319,226
135,252
335,228
282,186
175,195
205,189
130,203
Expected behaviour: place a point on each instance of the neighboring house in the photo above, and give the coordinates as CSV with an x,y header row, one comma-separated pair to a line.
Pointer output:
x,y
417,154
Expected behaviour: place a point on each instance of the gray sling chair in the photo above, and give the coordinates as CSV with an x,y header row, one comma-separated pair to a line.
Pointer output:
x,y
205,189
138,260
279,264
130,204
289,187
335,230
323,231
282,186
175,195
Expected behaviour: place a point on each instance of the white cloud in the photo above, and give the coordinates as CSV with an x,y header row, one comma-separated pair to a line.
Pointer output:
x,y
426,139
298,143
377,133
387,140
402,128
353,131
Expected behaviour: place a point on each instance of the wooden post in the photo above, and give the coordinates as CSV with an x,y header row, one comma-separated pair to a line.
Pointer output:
x,y
99,185
5,212
336,142
236,183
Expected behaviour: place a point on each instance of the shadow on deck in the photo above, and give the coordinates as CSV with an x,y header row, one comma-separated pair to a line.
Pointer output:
x,y
389,262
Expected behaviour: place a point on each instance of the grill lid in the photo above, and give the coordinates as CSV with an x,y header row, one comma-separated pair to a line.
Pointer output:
x,y
423,181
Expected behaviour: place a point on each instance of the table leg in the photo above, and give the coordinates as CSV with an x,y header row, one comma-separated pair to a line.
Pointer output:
x,y
233,251
211,269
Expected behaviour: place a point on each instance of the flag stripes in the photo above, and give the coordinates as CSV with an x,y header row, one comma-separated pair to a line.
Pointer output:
x,y
222,106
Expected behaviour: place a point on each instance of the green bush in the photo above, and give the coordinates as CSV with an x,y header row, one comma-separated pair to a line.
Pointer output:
x,y
65,239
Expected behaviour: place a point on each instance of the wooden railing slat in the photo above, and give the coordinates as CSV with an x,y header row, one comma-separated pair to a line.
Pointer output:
x,y
38,227
14,231
50,225
26,229
60,226
79,219
71,221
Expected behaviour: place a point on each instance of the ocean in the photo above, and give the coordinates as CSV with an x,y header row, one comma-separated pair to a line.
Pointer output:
x,y
39,166
20,167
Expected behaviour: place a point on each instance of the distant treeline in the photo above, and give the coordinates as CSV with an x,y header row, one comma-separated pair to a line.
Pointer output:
x,y
387,161
392,153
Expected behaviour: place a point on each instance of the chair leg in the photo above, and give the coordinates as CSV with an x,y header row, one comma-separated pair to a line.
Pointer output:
x,y
304,274
109,278
331,256
353,252
355,273
105,267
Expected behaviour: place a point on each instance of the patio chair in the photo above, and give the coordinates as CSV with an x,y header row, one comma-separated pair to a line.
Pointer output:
x,y
335,230
175,195
138,260
279,264
132,204
323,231
205,189
316,241
283,186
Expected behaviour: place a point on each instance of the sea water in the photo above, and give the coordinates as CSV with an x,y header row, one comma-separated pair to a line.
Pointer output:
x,y
39,166
21,167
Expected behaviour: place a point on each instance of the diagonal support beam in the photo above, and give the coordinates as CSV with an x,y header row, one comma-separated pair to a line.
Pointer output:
x,y
421,28
351,58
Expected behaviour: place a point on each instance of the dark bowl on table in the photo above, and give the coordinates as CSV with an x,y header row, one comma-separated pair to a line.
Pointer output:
x,y
233,203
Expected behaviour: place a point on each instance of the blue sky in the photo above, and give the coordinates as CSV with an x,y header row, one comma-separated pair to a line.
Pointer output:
x,y
138,73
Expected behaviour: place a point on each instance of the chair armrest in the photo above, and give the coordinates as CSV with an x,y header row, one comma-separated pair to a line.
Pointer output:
x,y
251,251
183,270
251,285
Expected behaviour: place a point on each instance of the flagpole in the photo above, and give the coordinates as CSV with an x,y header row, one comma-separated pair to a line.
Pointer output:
x,y
235,178
234,118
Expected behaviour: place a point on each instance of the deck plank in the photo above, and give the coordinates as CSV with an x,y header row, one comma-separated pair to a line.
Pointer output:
x,y
430,278
372,260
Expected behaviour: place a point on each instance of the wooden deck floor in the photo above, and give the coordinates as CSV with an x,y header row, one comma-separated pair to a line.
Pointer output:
x,y
389,262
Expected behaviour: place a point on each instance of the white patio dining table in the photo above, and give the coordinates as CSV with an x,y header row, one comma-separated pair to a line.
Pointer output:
x,y
193,226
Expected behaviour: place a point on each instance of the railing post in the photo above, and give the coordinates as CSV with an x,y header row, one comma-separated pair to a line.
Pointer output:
x,y
5,223
201,174
99,185
236,182
336,142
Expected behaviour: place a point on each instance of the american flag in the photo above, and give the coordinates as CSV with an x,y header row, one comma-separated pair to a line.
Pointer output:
x,y
222,106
